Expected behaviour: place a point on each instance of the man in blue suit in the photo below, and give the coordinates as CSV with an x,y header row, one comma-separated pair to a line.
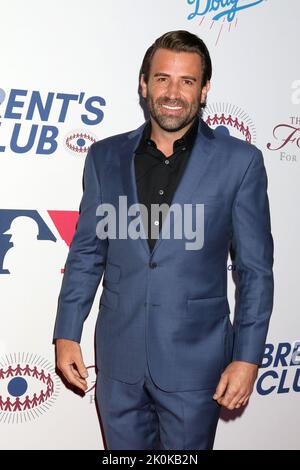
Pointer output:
x,y
167,354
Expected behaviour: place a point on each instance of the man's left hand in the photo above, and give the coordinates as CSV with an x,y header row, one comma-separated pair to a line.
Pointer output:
x,y
236,384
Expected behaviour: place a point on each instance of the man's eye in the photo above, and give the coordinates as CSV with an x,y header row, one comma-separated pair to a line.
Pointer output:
x,y
188,82
161,79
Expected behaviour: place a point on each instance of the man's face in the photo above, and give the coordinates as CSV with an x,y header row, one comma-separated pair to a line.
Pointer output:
x,y
173,92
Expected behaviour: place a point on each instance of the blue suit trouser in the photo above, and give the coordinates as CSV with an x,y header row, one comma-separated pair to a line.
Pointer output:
x,y
142,416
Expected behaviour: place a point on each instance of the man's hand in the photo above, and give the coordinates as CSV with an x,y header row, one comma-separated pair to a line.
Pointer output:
x,y
70,363
236,384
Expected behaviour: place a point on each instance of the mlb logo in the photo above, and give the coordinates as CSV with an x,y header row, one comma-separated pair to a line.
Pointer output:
x,y
27,237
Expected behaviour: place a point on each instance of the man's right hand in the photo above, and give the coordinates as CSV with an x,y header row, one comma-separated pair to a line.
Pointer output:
x,y
70,362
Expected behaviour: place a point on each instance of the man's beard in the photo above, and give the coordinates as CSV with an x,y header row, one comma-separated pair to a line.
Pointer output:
x,y
168,122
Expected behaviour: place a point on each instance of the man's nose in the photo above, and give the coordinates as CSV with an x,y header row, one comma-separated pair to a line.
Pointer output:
x,y
173,90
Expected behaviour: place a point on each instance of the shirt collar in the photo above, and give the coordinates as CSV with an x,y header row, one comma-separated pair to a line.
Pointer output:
x,y
186,141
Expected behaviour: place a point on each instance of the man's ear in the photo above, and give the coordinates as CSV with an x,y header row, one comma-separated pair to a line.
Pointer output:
x,y
204,91
143,86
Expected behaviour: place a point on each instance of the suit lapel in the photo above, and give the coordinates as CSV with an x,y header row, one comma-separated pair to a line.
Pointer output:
x,y
196,166
127,152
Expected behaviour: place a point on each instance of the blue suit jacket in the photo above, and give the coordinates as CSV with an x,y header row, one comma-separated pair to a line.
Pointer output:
x,y
176,315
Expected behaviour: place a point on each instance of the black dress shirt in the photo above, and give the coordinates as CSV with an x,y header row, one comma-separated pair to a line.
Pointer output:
x,y
157,176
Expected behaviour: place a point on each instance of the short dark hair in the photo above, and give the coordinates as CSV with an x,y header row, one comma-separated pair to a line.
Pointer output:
x,y
179,41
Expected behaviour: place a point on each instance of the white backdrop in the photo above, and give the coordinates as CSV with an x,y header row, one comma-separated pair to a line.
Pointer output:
x,y
69,75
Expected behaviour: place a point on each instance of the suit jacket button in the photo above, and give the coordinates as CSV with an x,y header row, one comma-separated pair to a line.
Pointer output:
x,y
152,265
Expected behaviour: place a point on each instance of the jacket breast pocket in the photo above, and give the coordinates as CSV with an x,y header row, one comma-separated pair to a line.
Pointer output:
x,y
207,200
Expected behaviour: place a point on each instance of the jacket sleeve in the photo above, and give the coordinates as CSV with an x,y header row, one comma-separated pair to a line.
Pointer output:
x,y
252,243
85,262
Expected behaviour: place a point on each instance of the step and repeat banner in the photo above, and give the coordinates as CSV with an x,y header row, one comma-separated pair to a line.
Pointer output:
x,y
69,77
